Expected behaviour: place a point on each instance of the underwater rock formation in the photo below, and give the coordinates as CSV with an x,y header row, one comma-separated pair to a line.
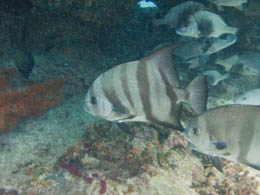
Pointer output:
x,y
17,104
101,12
15,7
24,62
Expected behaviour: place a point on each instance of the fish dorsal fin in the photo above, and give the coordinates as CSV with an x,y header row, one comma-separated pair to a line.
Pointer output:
x,y
162,59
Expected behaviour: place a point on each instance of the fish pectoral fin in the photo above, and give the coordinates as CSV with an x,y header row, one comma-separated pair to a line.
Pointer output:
x,y
221,145
118,111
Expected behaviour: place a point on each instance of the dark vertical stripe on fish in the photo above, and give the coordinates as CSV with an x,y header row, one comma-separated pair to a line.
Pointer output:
x,y
110,93
246,135
124,82
144,88
175,109
144,91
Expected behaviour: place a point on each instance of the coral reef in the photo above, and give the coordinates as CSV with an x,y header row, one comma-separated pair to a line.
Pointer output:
x,y
143,166
17,104
4,191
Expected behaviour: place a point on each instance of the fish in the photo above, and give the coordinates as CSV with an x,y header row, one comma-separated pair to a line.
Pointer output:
x,y
176,14
230,131
189,50
251,97
228,63
202,48
250,61
214,77
217,44
146,90
229,3
205,24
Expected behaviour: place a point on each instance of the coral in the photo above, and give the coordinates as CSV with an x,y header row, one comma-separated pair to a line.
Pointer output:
x,y
16,104
111,163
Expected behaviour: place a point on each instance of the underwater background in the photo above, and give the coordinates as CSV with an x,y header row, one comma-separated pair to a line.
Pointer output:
x,y
51,52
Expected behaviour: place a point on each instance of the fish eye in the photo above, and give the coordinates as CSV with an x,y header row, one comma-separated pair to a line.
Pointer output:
x,y
93,100
195,131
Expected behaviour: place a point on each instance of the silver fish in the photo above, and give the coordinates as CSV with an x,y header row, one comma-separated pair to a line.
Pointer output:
x,y
250,61
251,97
205,24
229,3
229,62
217,44
176,14
145,90
230,131
214,77
202,47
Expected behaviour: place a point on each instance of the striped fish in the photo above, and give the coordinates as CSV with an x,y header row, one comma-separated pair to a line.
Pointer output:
x,y
146,90
231,132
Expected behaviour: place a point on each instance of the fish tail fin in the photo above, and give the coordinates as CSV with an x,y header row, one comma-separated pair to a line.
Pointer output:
x,y
197,92
232,30
226,66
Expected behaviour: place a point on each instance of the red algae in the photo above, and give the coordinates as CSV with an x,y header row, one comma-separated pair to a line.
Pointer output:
x,y
94,174
71,169
16,104
75,171
103,187
88,179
